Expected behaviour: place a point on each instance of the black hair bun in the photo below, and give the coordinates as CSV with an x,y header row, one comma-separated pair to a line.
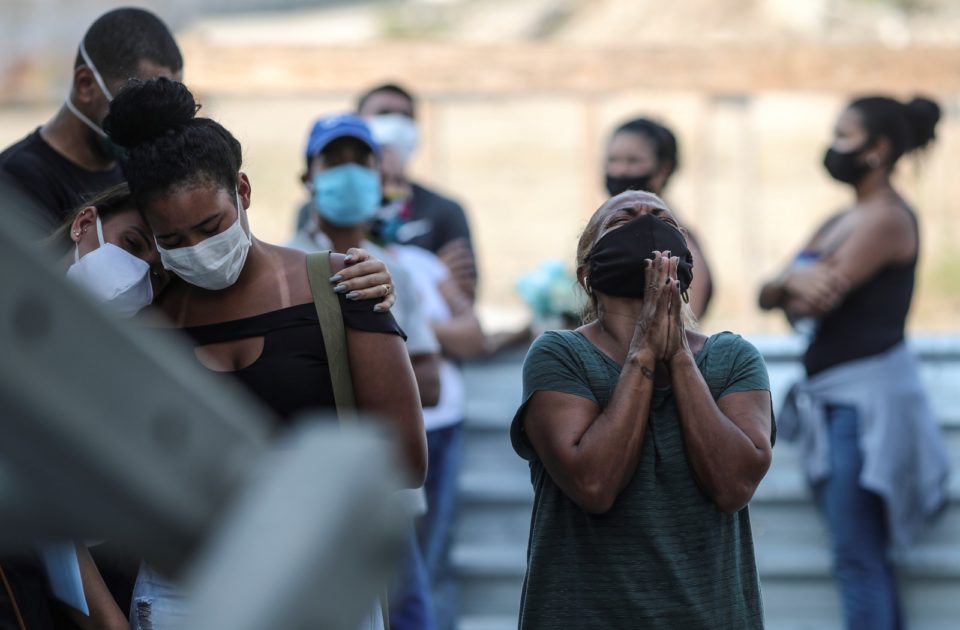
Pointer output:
x,y
923,115
146,110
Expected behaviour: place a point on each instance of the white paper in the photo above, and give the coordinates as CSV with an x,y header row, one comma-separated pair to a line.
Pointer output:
x,y
63,572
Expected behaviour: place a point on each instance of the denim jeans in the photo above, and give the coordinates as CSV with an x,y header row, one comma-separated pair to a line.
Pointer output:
x,y
857,522
411,605
445,453
158,603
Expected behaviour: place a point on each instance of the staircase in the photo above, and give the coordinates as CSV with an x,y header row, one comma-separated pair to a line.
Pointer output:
x,y
489,552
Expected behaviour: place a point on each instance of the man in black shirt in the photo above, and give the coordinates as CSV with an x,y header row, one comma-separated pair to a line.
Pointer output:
x,y
56,169
442,220
69,159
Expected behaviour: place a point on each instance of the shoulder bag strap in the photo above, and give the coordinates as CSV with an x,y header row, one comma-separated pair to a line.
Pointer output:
x,y
330,316
334,335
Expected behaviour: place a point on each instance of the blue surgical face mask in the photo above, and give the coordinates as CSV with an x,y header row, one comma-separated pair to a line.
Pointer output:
x,y
347,195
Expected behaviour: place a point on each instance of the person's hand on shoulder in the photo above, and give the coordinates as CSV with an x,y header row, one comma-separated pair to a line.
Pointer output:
x,y
365,278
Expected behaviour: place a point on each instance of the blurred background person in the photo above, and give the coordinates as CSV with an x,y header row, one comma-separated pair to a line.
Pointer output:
x,y
646,441
871,444
642,154
434,222
68,160
247,305
343,180
455,323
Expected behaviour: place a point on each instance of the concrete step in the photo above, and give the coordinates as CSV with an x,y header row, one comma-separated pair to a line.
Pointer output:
x,y
797,586
510,487
799,561
509,622
507,522
488,622
794,604
496,386
792,610
488,449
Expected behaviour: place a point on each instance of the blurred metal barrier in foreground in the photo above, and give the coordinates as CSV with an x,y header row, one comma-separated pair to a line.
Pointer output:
x,y
112,430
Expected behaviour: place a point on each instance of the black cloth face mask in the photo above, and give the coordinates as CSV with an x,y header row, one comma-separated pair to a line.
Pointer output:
x,y
847,167
617,185
617,262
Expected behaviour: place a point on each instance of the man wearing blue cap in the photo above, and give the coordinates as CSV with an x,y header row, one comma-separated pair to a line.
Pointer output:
x,y
344,181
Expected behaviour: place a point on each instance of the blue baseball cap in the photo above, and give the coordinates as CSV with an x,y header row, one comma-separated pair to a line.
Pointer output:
x,y
330,128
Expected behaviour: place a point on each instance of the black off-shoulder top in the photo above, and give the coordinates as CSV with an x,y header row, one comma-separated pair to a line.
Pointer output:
x,y
291,375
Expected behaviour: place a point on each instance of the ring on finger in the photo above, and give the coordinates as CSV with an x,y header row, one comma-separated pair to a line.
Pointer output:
x,y
386,290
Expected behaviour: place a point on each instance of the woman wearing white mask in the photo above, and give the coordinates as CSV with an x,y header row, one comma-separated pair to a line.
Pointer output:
x,y
111,252
246,304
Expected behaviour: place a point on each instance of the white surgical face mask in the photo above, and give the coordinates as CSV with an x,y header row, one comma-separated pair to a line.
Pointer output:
x,y
396,131
113,276
97,129
214,263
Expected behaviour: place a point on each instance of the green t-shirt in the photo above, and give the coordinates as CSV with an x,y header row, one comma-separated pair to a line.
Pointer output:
x,y
664,556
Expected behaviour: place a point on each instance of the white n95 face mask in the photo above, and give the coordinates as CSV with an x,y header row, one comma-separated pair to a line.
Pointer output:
x,y
214,263
113,276
396,131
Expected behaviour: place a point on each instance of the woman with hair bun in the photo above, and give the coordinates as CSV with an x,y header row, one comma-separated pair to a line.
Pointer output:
x,y
247,305
872,450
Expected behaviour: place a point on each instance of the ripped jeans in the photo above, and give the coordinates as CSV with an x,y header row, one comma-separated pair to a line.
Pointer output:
x,y
158,603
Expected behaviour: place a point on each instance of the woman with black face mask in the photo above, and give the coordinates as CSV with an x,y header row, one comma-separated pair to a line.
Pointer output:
x,y
872,449
642,155
645,440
